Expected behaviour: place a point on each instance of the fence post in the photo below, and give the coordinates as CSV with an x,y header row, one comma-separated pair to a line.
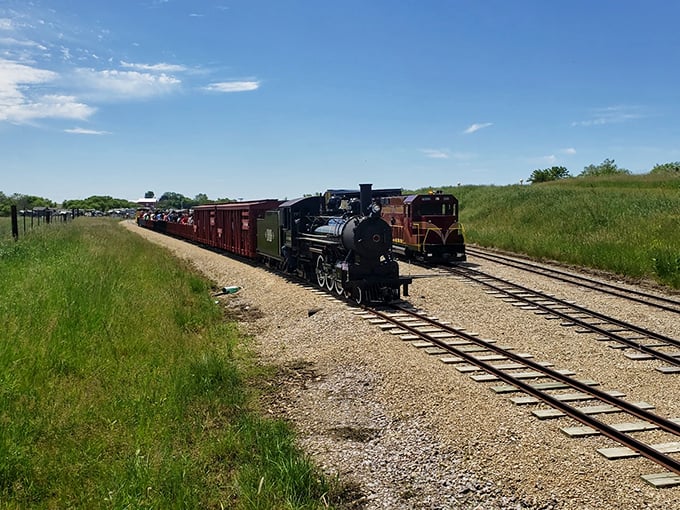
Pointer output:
x,y
15,223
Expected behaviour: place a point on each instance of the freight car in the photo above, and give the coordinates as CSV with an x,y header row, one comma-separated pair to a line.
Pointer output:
x,y
425,227
344,248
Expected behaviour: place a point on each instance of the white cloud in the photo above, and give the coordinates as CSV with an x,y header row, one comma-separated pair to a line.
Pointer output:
x,y
435,153
568,150
233,86
161,67
611,115
46,107
477,127
16,105
6,24
113,84
83,131
11,41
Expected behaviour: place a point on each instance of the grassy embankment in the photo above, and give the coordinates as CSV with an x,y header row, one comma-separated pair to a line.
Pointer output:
x,y
628,225
122,385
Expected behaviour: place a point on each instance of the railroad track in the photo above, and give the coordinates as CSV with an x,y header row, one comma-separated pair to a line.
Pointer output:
x,y
554,393
636,342
665,303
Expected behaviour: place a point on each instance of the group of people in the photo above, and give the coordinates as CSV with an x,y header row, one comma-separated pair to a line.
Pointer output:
x,y
171,216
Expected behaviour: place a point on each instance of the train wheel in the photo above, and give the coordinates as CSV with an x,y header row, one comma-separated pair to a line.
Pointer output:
x,y
338,287
330,281
321,271
358,295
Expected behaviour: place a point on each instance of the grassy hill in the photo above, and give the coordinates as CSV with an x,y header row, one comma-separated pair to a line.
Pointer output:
x,y
627,224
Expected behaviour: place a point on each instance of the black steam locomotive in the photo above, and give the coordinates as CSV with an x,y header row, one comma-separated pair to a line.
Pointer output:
x,y
337,240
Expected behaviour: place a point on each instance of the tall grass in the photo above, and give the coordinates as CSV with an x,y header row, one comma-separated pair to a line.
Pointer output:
x,y
122,386
629,225
5,228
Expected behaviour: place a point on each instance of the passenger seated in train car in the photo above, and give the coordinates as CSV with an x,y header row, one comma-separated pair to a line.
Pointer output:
x,y
334,204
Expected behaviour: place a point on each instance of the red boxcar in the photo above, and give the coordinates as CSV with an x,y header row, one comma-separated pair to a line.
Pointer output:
x,y
231,227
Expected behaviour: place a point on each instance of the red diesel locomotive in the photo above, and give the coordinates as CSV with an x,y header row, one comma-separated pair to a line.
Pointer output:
x,y
425,227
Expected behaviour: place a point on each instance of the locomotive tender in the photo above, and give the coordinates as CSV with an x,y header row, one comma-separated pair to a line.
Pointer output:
x,y
342,244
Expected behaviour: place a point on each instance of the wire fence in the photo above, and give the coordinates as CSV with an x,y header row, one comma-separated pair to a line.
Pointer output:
x,y
21,221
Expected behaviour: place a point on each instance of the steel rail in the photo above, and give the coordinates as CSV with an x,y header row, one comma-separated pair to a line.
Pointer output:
x,y
642,448
478,275
604,287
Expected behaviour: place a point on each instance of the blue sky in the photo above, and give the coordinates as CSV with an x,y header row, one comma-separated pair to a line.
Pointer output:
x,y
274,99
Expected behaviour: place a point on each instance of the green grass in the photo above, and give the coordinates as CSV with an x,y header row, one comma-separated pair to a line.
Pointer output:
x,y
628,225
5,228
123,386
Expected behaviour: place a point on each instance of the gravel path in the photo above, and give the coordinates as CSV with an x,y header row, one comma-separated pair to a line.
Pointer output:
x,y
408,432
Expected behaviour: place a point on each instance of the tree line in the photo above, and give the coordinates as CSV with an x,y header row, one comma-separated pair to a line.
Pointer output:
x,y
173,200
22,202
607,167
168,200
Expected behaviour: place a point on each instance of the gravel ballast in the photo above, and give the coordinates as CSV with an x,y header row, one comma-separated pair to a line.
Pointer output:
x,y
407,431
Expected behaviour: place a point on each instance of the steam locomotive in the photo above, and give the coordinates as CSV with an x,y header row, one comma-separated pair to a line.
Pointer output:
x,y
337,240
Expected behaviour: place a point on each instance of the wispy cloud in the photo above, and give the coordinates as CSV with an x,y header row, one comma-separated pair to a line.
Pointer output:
x,y
233,86
568,150
611,115
476,127
156,68
435,153
83,131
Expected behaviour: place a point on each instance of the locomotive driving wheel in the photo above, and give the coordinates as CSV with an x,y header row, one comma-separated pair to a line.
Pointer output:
x,y
338,287
321,275
330,278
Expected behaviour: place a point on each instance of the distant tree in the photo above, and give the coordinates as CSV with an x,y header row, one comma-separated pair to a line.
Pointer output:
x,y
607,167
172,200
549,174
98,203
22,202
666,168
201,198
149,194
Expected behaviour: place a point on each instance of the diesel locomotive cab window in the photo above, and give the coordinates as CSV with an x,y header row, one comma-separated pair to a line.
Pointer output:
x,y
435,209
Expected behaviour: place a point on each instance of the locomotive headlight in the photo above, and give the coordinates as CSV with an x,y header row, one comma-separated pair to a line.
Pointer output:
x,y
376,208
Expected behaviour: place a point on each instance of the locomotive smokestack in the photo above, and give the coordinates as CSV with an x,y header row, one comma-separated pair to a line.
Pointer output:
x,y
365,196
